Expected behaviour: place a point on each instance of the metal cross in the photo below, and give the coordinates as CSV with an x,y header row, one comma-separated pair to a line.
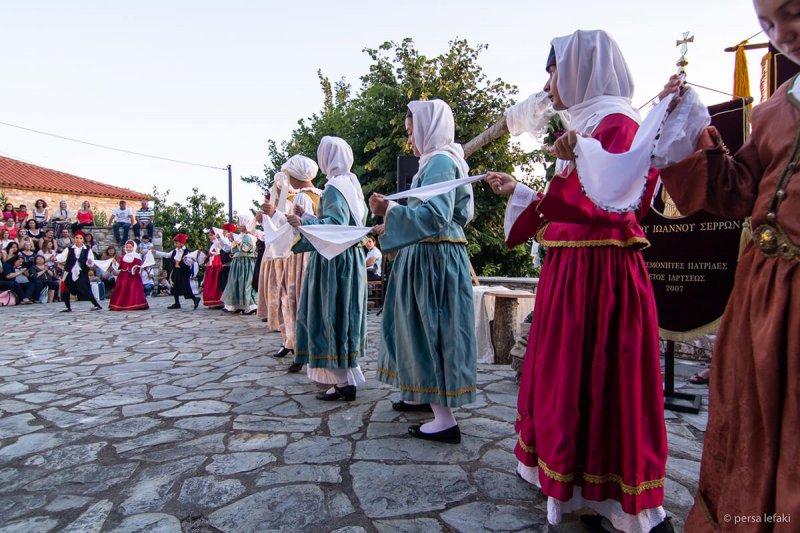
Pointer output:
x,y
684,44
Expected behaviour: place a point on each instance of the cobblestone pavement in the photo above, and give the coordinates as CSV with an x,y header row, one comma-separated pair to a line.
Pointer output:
x,y
168,421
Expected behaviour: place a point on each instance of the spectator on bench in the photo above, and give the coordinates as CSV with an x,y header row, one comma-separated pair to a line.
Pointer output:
x,y
144,220
122,217
61,218
12,228
40,214
85,217
21,215
24,288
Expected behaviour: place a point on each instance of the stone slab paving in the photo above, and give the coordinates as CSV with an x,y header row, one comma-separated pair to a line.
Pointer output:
x,y
170,421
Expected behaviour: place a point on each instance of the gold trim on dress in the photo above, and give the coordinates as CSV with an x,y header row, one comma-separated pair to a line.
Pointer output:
x,y
589,243
634,490
440,392
437,240
525,448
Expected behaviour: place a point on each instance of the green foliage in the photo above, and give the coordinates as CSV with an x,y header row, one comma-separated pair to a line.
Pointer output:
x,y
100,218
372,120
191,217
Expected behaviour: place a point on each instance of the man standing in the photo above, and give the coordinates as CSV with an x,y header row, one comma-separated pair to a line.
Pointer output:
x,y
144,220
121,217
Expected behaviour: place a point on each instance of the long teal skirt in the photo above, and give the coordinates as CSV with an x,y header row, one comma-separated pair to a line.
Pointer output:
x,y
429,350
239,291
332,313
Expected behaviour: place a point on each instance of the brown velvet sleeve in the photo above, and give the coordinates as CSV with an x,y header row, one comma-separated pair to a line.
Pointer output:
x,y
712,180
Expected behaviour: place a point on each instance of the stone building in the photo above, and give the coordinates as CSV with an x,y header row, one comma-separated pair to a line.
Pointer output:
x,y
23,183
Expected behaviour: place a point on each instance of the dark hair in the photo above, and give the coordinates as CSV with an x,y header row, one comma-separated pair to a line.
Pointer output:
x,y
44,204
12,243
38,257
7,205
35,224
146,236
22,205
409,114
14,258
87,235
111,248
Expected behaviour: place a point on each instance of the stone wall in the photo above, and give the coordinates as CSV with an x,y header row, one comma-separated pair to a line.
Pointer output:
x,y
74,201
104,237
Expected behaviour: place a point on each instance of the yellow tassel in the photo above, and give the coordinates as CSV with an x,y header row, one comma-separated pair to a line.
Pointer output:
x,y
741,77
766,74
746,237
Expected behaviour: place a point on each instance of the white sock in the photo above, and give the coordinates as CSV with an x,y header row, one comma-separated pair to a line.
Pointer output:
x,y
443,419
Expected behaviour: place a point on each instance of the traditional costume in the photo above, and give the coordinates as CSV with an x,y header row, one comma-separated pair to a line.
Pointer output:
x,y
239,294
128,294
212,296
750,455
77,260
331,315
591,408
225,256
429,349
180,271
282,271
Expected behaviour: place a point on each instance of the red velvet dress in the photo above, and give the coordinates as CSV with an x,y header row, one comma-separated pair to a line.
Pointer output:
x,y
212,296
591,407
128,294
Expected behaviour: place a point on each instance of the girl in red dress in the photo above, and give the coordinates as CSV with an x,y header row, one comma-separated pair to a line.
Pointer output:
x,y
212,296
590,413
128,293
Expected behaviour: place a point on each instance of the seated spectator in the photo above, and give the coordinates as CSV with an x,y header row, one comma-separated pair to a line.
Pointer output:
x,y
8,212
40,214
23,287
22,234
85,217
96,283
144,221
145,246
48,253
46,276
89,242
64,241
164,286
28,254
11,250
61,218
147,281
21,215
34,233
12,228
374,259
108,278
121,217
5,238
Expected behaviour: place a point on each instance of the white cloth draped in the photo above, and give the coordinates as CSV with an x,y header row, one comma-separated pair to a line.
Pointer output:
x,y
530,116
300,167
522,197
248,221
427,192
335,159
330,240
434,134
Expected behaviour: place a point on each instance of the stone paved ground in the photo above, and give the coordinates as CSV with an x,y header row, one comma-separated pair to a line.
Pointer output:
x,y
179,421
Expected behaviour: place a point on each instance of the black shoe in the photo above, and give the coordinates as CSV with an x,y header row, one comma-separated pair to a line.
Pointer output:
x,y
265,320
196,302
226,310
346,393
411,407
593,523
449,436
294,368
664,527
97,308
66,311
251,312
174,306
218,307
284,351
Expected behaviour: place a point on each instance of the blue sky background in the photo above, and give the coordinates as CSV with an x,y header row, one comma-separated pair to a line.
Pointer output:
x,y
212,81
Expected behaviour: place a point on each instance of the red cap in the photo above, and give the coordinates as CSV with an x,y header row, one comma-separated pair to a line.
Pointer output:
x,y
79,232
229,227
181,238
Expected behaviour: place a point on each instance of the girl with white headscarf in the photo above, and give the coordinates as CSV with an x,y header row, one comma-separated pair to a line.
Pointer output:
x,y
429,349
331,332
128,294
591,407
239,295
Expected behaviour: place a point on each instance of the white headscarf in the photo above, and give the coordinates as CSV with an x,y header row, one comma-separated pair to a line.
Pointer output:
x,y
335,160
300,168
281,181
593,79
434,134
129,257
247,220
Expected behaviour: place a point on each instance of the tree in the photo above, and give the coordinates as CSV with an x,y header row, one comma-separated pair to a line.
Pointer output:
x,y
373,122
192,217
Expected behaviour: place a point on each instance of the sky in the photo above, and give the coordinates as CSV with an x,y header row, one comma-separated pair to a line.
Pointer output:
x,y
211,81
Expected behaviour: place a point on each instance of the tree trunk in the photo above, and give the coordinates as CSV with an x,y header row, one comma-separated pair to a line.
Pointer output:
x,y
494,132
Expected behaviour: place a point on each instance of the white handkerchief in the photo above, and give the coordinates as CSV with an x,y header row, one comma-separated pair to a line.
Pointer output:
x,y
331,240
427,192
278,234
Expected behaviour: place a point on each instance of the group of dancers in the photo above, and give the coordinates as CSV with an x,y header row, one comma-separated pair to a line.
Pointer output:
x,y
590,415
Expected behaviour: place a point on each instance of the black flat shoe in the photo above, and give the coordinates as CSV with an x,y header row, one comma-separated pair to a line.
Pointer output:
x,y
174,306
251,312
196,302
66,310
294,368
346,393
449,436
593,523
284,351
664,527
226,310
411,407
98,308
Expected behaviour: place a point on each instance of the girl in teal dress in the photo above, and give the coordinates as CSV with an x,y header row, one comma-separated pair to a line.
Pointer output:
x,y
428,348
239,294
331,316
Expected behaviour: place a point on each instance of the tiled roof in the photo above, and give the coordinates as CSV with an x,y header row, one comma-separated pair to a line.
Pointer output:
x,y
21,175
